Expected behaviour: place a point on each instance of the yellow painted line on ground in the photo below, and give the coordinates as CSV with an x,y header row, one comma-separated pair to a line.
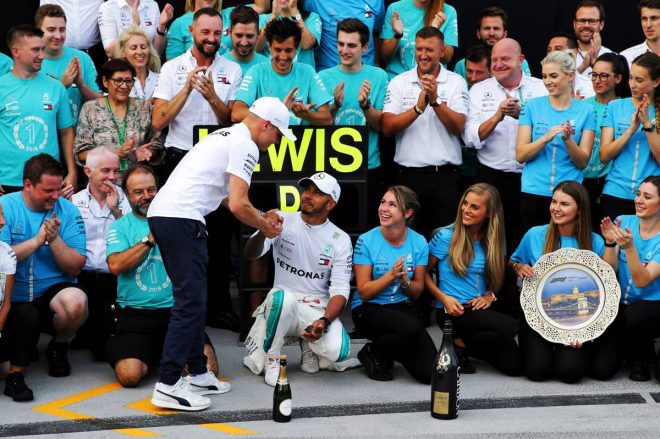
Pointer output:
x,y
136,432
145,405
228,429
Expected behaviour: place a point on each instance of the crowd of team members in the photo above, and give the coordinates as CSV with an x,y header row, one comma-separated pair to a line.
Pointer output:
x,y
569,160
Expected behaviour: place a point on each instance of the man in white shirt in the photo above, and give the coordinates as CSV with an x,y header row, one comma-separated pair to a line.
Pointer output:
x,y
217,170
312,283
588,24
492,126
649,11
82,27
426,109
100,204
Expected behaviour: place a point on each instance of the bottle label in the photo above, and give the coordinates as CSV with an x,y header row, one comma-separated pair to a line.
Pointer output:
x,y
285,407
441,403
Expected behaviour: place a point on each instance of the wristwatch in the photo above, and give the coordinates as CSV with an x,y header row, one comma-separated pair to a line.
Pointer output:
x,y
327,323
492,295
146,242
366,105
649,129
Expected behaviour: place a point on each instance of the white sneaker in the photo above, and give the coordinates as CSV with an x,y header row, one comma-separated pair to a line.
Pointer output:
x,y
180,397
309,361
206,384
250,364
272,370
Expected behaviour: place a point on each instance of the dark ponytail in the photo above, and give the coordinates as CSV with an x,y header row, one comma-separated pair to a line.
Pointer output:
x,y
619,67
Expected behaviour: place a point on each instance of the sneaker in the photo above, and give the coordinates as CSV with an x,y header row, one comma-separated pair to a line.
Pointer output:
x,y
376,368
640,371
309,361
179,397
207,384
16,388
58,363
464,361
272,371
250,364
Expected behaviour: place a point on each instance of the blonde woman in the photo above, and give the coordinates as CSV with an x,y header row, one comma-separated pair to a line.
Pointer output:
x,y
134,46
470,255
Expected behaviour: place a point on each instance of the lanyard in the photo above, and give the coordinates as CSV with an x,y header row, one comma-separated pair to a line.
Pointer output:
x,y
121,132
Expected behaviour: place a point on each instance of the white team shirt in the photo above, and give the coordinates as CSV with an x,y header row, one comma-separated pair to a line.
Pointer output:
x,y
227,77
583,85
7,267
115,16
633,52
149,86
426,142
580,59
311,260
200,181
82,26
97,223
498,150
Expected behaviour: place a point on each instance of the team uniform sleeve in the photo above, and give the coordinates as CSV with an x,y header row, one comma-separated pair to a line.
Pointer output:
x,y
592,121
525,68
525,117
64,115
107,25
439,245
165,83
361,255
73,230
247,92
422,253
450,27
458,100
175,45
242,160
393,101
523,253
116,240
315,26
597,245
340,274
471,131
379,90
608,119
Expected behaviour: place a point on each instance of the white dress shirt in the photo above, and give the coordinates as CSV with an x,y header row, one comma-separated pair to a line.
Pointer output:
x,y
426,142
227,77
633,52
498,150
115,16
579,59
82,27
97,223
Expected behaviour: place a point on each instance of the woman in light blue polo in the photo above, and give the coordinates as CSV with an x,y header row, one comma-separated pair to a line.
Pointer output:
x,y
470,255
390,263
633,250
402,21
178,36
555,138
630,138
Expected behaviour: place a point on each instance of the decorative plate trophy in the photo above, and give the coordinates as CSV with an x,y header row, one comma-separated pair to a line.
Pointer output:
x,y
573,296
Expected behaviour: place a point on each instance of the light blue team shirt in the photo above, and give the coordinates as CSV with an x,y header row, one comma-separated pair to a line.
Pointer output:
x,y
245,66
146,286
179,38
350,112
5,64
56,68
39,271
648,251
460,68
412,18
531,246
31,112
595,168
305,56
331,12
461,288
261,80
635,161
552,164
372,249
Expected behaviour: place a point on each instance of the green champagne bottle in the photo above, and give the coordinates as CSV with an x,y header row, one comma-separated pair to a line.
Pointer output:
x,y
282,395
445,382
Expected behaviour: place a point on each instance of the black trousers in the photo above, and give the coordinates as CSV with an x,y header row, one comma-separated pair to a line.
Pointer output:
x,y
222,227
508,185
488,335
101,290
641,325
397,333
534,211
615,206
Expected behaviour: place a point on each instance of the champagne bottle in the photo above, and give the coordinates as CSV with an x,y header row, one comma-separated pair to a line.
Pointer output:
x,y
445,382
282,395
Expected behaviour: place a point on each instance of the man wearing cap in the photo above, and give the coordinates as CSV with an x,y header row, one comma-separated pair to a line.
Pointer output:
x,y
312,275
218,170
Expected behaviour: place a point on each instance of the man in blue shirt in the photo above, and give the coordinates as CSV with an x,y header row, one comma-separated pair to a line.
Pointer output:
x,y
244,31
36,116
47,234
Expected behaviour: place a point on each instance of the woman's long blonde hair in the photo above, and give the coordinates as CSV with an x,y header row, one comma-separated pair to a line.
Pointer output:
x,y
583,223
461,247
432,8
134,31
190,5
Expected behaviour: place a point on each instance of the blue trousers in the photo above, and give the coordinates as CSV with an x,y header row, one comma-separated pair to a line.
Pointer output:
x,y
182,244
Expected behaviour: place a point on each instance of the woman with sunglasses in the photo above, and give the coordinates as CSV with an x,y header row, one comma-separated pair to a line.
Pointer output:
x,y
118,121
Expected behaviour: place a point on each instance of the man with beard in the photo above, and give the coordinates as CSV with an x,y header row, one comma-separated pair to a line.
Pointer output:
x,y
492,26
426,108
100,204
196,88
244,32
588,24
492,126
144,292
649,11
312,282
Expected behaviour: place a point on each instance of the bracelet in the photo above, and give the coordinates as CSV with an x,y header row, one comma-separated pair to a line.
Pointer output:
x,y
491,295
327,323
514,265
418,110
398,36
406,286
162,34
434,103
610,244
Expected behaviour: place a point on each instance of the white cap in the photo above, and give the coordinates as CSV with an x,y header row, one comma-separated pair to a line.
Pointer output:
x,y
274,111
325,182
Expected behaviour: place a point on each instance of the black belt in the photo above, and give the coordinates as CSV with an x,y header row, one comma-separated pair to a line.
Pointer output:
x,y
429,169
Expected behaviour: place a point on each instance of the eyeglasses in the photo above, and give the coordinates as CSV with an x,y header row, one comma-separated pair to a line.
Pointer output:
x,y
591,21
601,76
119,81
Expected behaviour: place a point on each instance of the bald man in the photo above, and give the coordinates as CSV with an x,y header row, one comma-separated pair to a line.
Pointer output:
x,y
492,125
